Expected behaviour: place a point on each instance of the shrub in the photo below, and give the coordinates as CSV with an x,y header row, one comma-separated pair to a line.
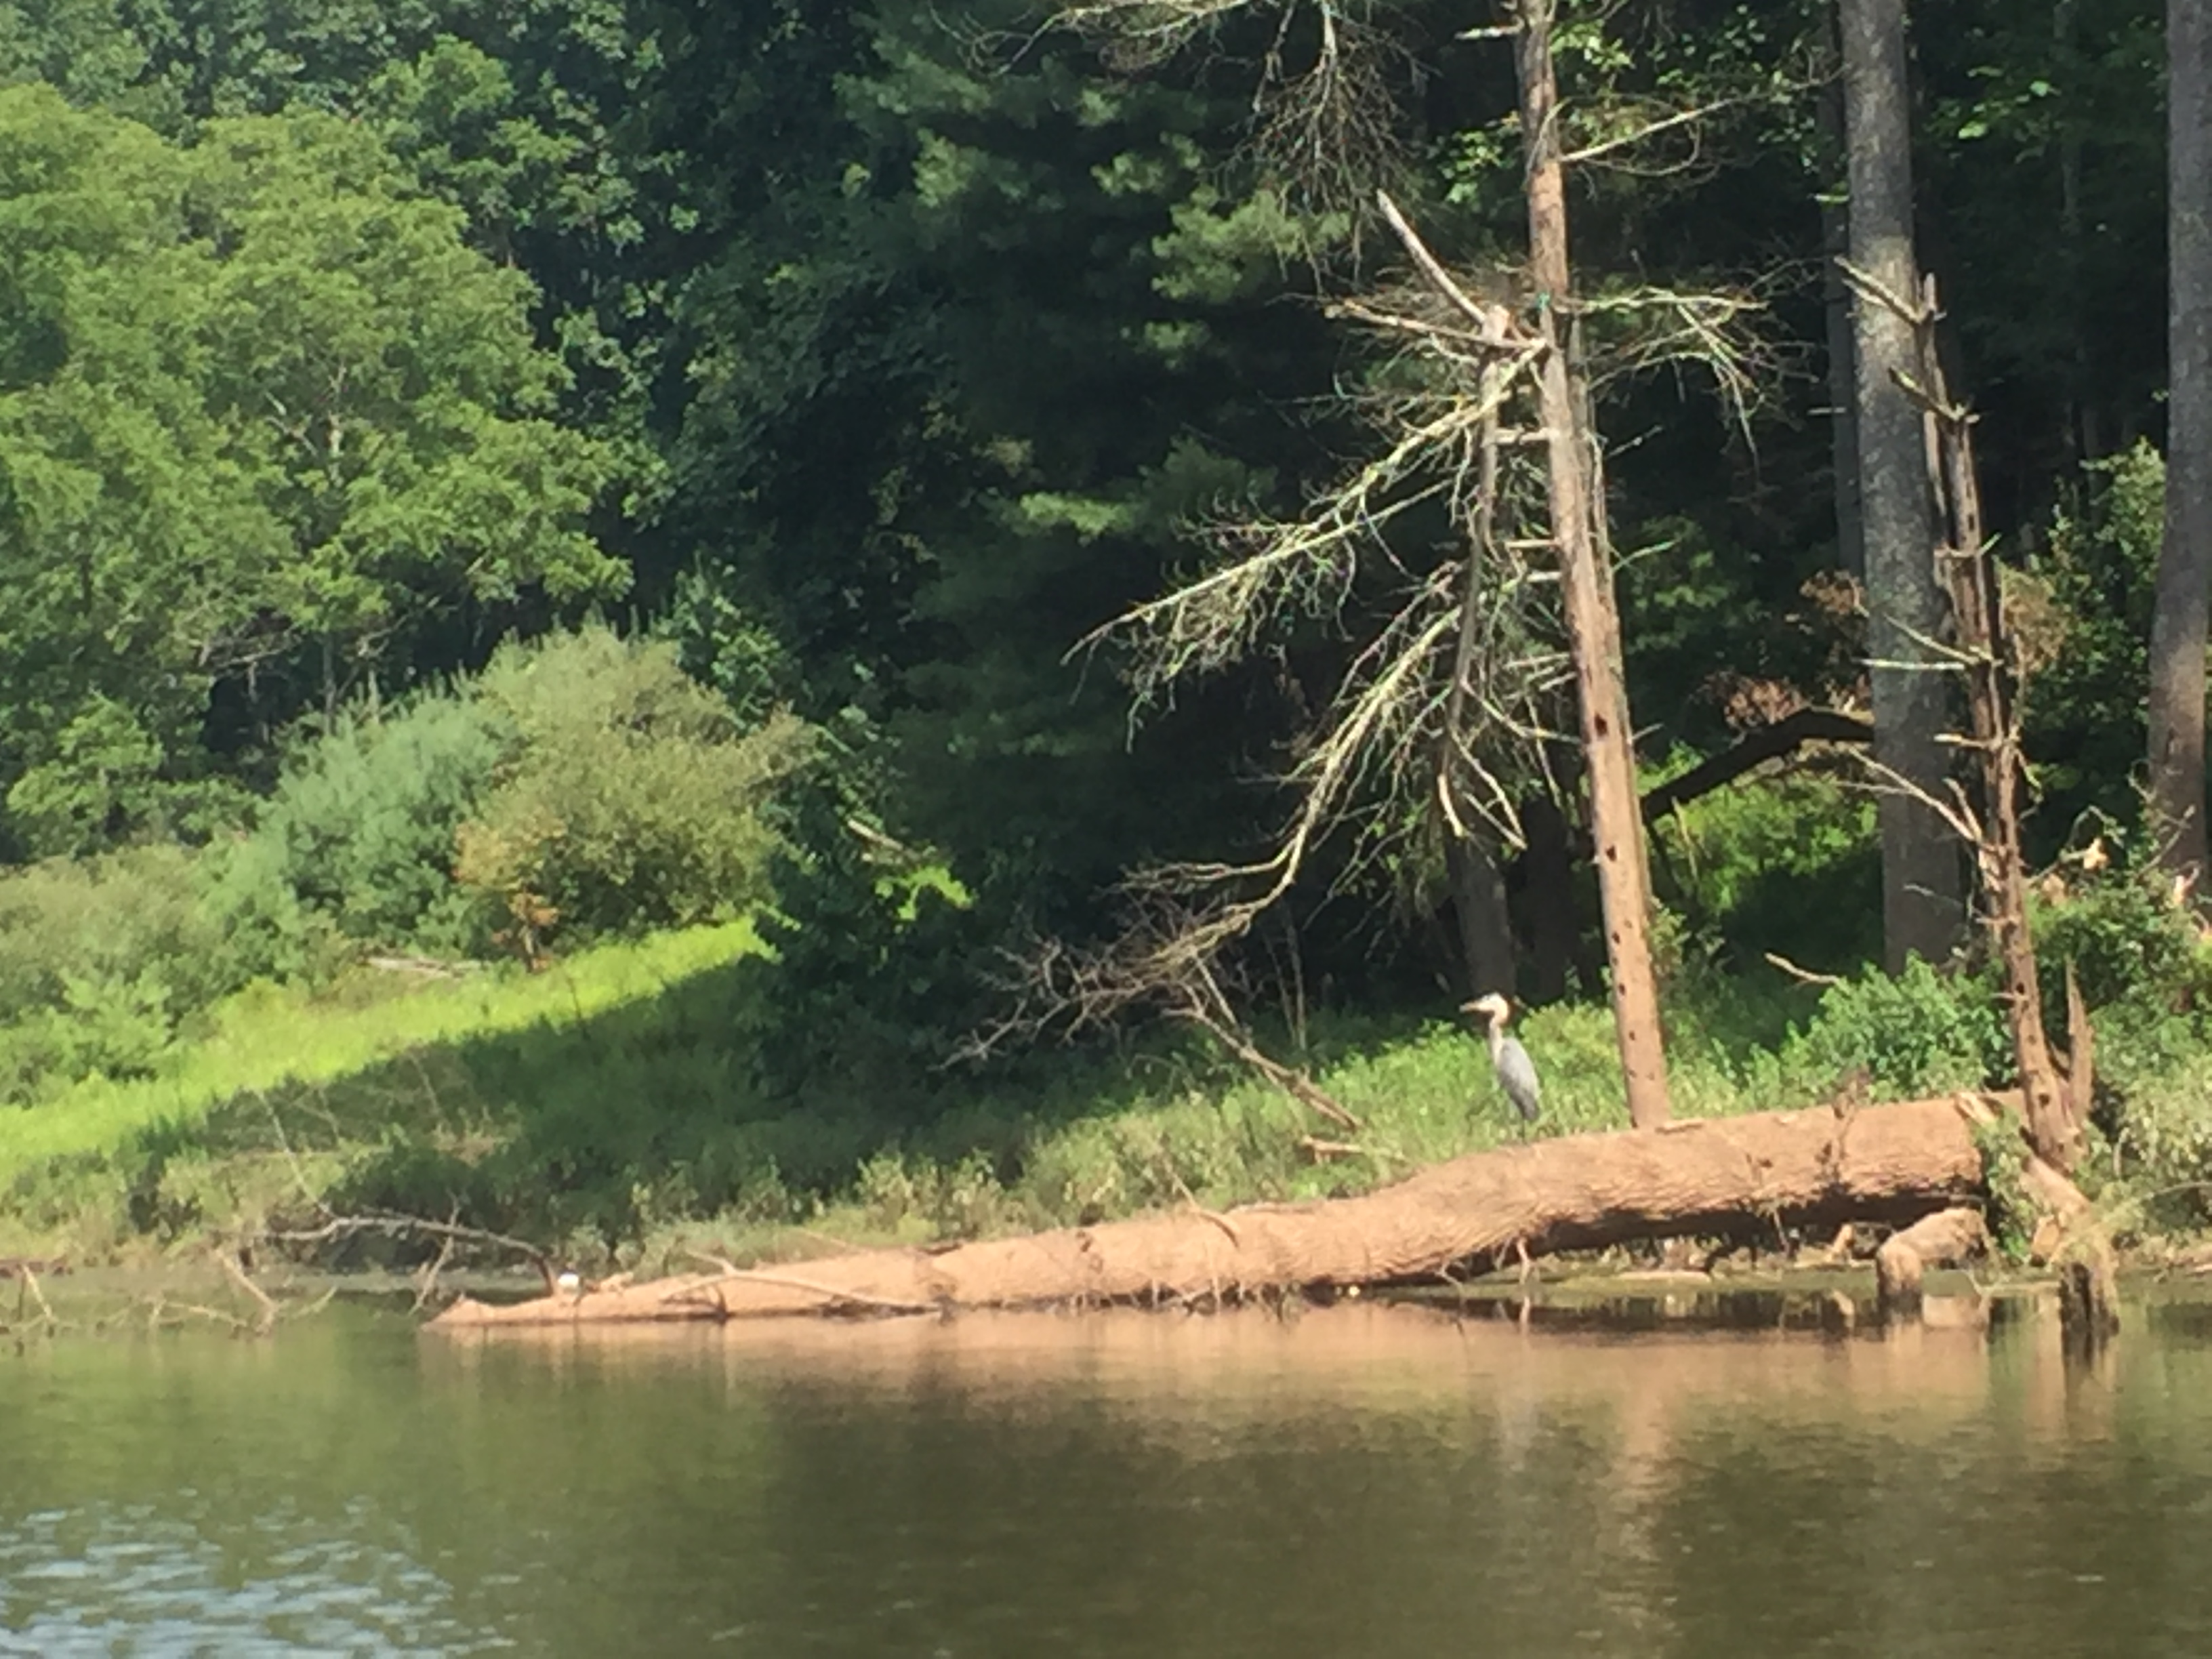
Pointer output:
x,y
1790,862
2082,709
1920,1033
360,833
99,960
634,798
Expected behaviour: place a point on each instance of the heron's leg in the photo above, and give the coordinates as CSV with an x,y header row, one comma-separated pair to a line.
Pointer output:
x,y
1528,1266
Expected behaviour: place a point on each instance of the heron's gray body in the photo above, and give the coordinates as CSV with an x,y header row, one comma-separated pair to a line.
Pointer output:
x,y
1516,1072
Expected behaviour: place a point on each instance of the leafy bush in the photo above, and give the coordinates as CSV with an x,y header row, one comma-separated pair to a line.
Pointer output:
x,y
1790,863
2126,940
2083,710
881,968
99,958
361,832
1920,1033
632,799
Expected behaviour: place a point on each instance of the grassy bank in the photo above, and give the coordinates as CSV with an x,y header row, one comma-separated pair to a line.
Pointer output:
x,y
609,1108
609,1101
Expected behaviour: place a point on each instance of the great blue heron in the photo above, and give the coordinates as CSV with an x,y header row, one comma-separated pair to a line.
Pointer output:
x,y
1516,1072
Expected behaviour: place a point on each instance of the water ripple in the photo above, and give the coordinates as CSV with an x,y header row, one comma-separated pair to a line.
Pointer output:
x,y
121,1579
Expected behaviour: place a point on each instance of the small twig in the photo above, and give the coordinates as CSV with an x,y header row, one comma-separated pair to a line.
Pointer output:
x,y
237,1274
426,1281
30,1283
1802,975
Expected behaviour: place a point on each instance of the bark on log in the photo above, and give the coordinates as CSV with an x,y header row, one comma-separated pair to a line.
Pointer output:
x,y
1943,1239
1711,1176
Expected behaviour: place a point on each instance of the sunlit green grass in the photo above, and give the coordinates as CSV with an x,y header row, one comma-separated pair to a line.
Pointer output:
x,y
269,1041
610,1107
609,1103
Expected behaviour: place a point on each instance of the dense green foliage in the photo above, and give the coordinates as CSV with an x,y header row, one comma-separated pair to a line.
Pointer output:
x,y
265,415
874,357
579,788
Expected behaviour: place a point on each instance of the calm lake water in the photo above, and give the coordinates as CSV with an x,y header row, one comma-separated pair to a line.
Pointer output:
x,y
1365,1481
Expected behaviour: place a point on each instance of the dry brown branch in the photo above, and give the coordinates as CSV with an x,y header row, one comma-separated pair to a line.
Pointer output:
x,y
339,1227
1802,975
235,1271
1165,960
426,1280
1493,322
1755,749
29,1281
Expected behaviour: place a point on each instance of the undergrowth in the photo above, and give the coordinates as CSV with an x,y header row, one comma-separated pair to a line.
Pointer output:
x,y
616,1107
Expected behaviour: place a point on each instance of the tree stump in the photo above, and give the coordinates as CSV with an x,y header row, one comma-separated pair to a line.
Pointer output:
x,y
1943,1239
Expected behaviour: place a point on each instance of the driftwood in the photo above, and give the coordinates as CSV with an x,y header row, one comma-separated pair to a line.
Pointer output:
x,y
1753,1175
1944,1239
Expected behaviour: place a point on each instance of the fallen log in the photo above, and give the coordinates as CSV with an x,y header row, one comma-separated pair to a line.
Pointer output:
x,y
1707,1177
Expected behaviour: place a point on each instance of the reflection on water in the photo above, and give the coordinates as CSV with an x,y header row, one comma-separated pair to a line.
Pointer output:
x,y
1367,1481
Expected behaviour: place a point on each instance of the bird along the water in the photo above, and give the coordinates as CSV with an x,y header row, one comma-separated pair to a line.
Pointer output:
x,y
1516,1072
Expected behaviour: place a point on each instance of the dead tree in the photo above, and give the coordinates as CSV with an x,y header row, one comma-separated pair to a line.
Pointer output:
x,y
1978,653
1747,1177
2056,1104
1165,960
1593,624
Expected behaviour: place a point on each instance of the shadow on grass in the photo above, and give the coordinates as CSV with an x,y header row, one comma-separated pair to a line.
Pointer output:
x,y
587,1125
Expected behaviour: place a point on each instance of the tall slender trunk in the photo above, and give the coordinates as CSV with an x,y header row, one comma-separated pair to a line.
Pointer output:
x,y
1922,904
1586,581
1477,884
2177,635
1843,360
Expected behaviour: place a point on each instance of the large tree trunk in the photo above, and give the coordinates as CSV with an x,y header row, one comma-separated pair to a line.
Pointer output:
x,y
1922,882
1547,899
1486,922
1842,359
1593,625
1743,1176
2177,638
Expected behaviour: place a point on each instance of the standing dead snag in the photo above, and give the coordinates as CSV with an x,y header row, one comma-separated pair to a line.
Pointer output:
x,y
1593,624
2056,1105
1979,653
1400,761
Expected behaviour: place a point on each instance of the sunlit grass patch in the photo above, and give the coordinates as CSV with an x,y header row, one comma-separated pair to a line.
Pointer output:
x,y
374,1049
